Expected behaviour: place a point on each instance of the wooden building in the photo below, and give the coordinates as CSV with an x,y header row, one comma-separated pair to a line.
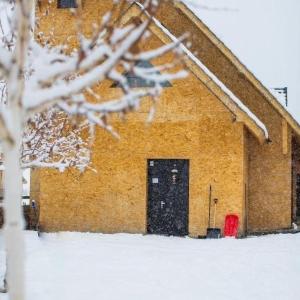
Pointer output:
x,y
218,128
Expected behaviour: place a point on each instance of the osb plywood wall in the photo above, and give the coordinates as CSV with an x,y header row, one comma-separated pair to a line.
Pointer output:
x,y
296,172
114,199
190,123
269,167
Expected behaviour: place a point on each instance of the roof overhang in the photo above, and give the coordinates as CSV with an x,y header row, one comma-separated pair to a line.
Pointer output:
x,y
230,101
239,66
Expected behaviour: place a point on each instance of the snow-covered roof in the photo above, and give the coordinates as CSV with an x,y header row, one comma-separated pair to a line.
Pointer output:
x,y
238,103
195,9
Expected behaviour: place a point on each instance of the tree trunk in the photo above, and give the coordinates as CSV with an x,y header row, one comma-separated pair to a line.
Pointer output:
x,y
14,221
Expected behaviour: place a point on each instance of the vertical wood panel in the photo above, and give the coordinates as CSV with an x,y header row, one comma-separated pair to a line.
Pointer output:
x,y
285,144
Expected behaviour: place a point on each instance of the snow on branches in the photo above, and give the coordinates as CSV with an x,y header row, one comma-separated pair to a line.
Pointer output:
x,y
53,77
54,140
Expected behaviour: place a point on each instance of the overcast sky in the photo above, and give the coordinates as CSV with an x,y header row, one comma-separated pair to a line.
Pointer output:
x,y
264,35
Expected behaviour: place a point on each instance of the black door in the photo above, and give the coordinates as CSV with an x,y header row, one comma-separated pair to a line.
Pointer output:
x,y
168,194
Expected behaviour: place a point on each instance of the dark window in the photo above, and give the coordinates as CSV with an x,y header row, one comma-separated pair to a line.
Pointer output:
x,y
66,3
135,81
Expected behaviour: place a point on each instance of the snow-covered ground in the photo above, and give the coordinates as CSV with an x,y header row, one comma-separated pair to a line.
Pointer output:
x,y
78,266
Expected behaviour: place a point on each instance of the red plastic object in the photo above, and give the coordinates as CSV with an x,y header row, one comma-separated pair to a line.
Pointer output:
x,y
231,225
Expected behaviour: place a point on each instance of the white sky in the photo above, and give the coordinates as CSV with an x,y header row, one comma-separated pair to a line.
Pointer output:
x,y
264,35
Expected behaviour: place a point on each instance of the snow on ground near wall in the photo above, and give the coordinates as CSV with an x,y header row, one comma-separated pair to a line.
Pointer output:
x,y
79,266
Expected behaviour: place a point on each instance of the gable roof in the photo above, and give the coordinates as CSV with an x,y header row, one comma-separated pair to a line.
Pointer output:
x,y
230,101
239,66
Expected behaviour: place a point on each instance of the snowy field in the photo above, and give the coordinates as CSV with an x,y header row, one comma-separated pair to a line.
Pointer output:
x,y
75,266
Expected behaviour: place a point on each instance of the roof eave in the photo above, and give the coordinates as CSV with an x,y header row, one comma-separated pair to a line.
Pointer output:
x,y
240,66
229,103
